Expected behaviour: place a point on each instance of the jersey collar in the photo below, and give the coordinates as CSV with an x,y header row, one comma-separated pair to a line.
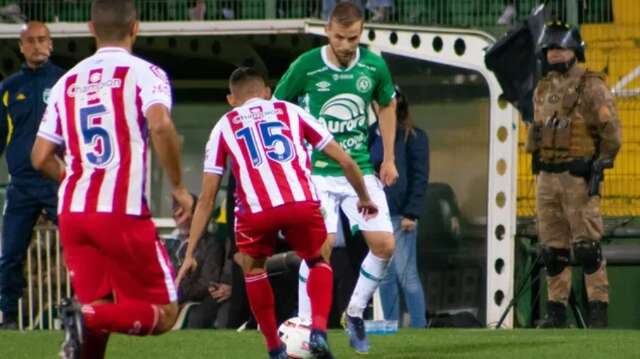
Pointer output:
x,y
109,49
333,67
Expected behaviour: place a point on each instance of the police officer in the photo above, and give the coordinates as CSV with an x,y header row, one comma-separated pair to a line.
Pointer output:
x,y
575,130
23,98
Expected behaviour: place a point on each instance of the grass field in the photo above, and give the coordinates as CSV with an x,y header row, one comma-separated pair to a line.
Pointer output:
x,y
414,344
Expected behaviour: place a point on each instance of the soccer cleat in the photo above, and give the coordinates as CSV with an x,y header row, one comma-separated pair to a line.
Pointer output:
x,y
319,345
357,334
280,353
73,325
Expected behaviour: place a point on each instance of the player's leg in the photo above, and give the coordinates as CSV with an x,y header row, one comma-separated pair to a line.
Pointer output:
x,y
255,241
308,239
91,286
140,274
329,210
378,233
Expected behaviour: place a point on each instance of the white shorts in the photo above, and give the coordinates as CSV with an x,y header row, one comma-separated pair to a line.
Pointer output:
x,y
336,193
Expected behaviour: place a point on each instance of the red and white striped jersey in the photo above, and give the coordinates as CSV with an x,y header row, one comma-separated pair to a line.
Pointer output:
x,y
97,111
265,140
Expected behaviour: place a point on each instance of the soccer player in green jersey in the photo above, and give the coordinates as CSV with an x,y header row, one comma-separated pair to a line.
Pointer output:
x,y
337,84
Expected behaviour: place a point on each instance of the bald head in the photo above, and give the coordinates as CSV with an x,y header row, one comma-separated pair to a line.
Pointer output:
x,y
35,43
34,27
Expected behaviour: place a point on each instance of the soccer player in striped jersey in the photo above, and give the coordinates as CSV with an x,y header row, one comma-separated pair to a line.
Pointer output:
x,y
265,140
103,112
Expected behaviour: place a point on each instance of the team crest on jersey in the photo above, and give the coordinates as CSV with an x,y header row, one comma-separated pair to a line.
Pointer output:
x,y
45,95
363,84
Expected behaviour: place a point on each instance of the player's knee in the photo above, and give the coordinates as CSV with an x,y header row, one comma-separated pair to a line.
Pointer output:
x,y
168,314
248,263
384,248
555,260
589,255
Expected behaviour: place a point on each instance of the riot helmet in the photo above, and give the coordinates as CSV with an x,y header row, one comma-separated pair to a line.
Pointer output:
x,y
559,35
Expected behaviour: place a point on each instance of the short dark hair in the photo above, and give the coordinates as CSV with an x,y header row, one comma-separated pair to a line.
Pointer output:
x,y
112,19
242,76
346,13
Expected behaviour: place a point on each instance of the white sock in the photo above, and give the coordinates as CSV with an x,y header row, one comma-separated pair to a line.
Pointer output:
x,y
372,271
304,302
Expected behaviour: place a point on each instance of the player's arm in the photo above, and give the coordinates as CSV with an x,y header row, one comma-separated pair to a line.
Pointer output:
x,y
48,140
384,95
44,159
165,143
201,217
387,118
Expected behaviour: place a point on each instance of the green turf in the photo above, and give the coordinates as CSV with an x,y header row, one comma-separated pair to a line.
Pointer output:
x,y
425,344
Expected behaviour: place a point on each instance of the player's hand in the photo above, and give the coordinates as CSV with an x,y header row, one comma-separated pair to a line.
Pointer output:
x,y
189,264
367,209
185,205
407,224
220,292
388,173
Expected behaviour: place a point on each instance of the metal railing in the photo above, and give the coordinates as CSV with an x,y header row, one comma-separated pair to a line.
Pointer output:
x,y
486,14
47,281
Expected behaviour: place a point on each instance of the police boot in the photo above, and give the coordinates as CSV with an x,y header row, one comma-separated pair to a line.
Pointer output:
x,y
598,318
556,316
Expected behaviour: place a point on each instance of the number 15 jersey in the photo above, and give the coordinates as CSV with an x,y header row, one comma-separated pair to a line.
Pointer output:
x,y
265,140
97,112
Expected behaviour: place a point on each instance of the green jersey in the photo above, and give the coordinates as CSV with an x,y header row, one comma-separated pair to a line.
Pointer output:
x,y
340,99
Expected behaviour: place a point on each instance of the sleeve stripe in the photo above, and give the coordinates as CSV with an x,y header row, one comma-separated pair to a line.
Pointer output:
x,y
215,170
53,138
325,141
166,102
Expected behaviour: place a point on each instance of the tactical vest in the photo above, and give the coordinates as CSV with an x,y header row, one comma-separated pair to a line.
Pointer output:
x,y
564,132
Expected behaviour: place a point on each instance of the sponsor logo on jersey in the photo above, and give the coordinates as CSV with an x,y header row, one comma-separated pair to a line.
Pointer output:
x,y
337,77
323,86
345,113
363,84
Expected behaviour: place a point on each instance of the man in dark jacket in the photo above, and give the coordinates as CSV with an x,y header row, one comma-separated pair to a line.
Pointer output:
x,y
406,200
210,283
23,98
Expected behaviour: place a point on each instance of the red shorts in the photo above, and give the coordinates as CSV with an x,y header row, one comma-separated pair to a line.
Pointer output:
x,y
300,222
118,255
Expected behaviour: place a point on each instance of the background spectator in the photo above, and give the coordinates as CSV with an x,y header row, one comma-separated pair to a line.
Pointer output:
x,y
23,98
406,200
210,283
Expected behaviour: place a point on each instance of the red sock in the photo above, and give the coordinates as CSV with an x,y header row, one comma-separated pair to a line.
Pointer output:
x,y
262,306
320,290
126,318
95,344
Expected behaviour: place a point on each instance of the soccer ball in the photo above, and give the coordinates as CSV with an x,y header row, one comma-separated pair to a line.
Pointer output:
x,y
295,335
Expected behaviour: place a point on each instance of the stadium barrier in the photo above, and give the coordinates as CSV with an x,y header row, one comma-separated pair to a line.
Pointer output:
x,y
490,15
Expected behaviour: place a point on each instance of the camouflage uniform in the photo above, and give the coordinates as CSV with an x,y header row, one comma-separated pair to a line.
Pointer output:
x,y
575,123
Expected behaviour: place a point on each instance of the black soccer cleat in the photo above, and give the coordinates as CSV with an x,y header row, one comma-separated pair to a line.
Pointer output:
x,y
73,325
